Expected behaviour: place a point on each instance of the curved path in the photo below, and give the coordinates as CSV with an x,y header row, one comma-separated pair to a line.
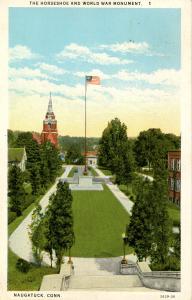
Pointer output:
x,y
19,241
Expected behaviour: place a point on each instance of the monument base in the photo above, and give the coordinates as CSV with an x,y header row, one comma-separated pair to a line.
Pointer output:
x,y
85,183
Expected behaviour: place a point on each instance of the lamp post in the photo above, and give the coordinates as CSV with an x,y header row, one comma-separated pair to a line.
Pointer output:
x,y
125,241
70,261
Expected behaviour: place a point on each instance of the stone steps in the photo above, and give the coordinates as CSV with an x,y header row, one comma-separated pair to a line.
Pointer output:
x,y
104,282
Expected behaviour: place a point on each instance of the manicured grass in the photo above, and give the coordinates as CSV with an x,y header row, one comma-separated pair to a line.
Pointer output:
x,y
93,172
128,191
99,221
16,279
105,171
13,225
73,170
31,281
174,213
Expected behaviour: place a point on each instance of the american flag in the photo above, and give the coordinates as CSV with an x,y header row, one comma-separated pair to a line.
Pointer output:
x,y
92,79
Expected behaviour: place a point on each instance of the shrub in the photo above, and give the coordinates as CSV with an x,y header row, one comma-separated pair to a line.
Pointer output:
x,y
11,216
22,265
172,264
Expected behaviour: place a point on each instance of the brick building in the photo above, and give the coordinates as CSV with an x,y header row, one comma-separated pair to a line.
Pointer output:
x,y
49,132
174,167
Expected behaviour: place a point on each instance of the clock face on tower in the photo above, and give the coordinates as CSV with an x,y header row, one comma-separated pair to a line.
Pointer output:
x,y
49,132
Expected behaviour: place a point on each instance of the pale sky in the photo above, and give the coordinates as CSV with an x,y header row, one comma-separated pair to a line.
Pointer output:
x,y
135,52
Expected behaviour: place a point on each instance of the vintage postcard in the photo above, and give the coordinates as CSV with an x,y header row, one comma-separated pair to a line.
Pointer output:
x,y
96,150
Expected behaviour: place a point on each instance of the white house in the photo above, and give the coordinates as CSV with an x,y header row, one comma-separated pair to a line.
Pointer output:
x,y
91,158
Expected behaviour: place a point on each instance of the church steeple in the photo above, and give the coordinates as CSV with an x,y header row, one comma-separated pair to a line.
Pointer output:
x,y
50,106
50,125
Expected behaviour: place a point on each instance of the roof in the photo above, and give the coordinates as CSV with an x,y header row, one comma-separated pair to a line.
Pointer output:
x,y
90,154
37,137
15,154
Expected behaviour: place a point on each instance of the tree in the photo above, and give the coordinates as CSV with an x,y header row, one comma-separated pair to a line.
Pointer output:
x,y
150,228
125,171
74,154
162,224
50,162
16,190
11,138
140,234
36,233
48,233
115,152
61,220
152,145
25,139
35,179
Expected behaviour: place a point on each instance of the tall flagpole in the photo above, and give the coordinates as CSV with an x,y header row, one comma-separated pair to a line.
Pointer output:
x,y
85,171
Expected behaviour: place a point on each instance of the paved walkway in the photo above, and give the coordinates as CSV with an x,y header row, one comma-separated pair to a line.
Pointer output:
x,y
99,266
146,176
123,199
19,241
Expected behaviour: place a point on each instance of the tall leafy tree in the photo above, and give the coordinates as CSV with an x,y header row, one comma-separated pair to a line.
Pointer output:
x,y
149,230
74,154
48,233
152,145
61,221
140,229
163,226
115,151
35,179
16,190
12,136
25,139
50,161
36,233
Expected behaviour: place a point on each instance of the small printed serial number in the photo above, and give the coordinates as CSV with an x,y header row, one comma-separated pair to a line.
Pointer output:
x,y
167,296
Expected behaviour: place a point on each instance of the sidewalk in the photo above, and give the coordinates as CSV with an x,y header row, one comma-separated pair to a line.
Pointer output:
x,y
19,241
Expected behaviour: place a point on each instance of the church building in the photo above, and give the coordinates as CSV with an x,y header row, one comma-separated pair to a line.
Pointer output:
x,y
49,132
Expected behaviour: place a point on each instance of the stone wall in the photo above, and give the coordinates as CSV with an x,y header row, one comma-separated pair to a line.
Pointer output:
x,y
160,280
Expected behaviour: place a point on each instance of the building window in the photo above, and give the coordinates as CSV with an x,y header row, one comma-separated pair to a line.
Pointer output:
x,y
178,166
172,184
172,164
178,185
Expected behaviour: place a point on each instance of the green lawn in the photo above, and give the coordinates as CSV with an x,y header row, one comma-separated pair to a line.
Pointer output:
x,y
105,171
73,170
31,281
99,221
127,190
93,172
174,213
16,279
